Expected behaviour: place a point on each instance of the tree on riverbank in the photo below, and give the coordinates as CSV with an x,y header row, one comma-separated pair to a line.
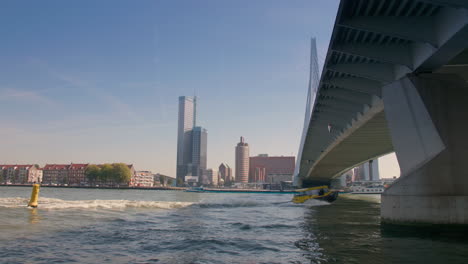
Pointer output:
x,y
92,173
121,172
108,173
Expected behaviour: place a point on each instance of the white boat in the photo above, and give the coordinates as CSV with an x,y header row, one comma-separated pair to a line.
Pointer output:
x,y
369,187
378,189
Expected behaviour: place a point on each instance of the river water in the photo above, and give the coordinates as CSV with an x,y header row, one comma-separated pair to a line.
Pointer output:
x,y
143,226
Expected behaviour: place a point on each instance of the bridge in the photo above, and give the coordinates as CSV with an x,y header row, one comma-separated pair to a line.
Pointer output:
x,y
395,79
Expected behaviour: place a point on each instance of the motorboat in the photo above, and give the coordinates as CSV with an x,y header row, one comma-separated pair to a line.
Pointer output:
x,y
318,193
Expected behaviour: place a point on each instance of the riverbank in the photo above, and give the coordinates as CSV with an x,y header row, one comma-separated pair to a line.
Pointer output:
x,y
160,188
100,187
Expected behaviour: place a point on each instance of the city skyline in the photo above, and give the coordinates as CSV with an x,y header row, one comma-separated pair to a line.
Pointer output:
x,y
70,98
208,131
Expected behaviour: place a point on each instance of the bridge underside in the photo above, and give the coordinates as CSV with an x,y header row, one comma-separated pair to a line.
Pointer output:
x,y
410,56
373,44
367,139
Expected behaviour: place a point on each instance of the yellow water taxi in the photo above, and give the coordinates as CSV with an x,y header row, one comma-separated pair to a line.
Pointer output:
x,y
318,193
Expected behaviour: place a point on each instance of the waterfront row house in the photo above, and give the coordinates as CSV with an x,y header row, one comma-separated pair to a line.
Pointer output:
x,y
20,174
73,174
60,174
76,174
55,174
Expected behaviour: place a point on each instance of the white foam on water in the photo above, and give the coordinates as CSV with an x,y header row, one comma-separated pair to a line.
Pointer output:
x,y
314,202
53,203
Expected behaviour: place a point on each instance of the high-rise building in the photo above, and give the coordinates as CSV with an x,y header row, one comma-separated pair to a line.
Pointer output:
x,y
374,170
263,168
199,150
186,122
242,161
225,173
362,172
368,171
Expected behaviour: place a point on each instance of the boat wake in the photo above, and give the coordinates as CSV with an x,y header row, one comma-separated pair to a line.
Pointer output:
x,y
314,202
236,203
232,204
52,203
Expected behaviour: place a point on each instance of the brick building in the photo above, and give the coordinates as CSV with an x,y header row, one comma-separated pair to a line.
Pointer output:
x,y
76,174
55,174
265,169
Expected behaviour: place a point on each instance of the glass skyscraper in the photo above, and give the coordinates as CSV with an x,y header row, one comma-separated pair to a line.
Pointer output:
x,y
191,141
199,150
187,120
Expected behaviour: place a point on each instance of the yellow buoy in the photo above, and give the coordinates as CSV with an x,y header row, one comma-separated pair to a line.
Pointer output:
x,y
34,196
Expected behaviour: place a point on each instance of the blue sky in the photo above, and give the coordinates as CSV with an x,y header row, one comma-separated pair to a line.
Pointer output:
x,y
98,81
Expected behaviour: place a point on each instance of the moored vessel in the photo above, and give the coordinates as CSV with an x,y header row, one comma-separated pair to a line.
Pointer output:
x,y
370,187
368,190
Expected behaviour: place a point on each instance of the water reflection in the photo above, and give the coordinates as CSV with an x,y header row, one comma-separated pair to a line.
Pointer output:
x,y
34,216
349,231
433,232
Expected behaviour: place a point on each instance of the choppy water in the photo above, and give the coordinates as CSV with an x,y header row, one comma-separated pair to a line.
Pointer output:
x,y
131,226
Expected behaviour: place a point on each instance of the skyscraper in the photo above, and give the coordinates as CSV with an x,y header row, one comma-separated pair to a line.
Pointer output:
x,y
187,120
242,161
199,150
368,171
374,170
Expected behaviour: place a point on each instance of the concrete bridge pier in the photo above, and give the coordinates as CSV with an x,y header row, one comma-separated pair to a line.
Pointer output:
x,y
427,115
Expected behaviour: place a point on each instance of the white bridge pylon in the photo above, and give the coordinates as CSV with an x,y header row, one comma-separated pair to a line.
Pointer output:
x,y
314,80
